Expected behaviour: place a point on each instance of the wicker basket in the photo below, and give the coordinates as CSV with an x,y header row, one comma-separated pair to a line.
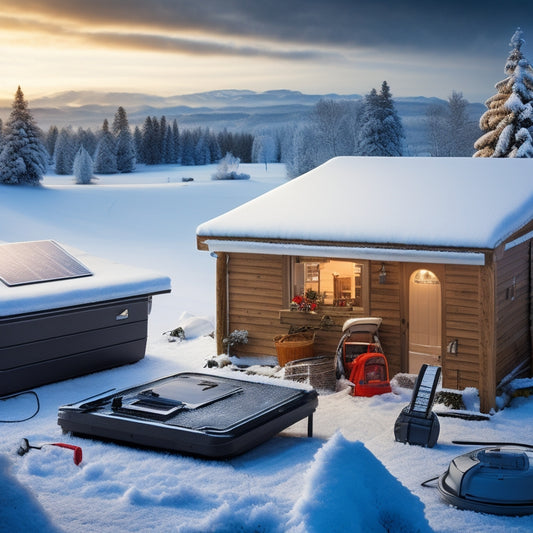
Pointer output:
x,y
294,346
319,372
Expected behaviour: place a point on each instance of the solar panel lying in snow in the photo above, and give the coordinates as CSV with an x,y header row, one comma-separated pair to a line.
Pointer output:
x,y
201,414
24,263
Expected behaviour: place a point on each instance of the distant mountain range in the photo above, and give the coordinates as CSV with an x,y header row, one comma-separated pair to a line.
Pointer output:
x,y
236,110
210,99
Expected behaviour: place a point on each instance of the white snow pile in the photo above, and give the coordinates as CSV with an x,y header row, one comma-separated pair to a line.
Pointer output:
x,y
191,327
358,492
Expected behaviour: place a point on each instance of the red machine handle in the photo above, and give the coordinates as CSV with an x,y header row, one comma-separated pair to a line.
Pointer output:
x,y
78,455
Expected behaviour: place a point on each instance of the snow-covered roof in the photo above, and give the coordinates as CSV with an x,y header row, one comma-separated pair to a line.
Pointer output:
x,y
439,203
109,281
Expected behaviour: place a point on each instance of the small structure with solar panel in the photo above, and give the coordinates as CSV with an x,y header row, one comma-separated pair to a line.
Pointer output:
x,y
64,313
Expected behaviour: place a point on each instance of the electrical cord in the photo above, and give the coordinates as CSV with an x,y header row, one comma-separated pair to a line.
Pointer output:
x,y
16,396
428,482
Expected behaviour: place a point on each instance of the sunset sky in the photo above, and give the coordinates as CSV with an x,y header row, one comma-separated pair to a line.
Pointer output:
x,y
171,47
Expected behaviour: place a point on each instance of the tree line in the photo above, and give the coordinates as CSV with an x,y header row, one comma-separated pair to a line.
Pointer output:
x,y
115,149
370,127
367,127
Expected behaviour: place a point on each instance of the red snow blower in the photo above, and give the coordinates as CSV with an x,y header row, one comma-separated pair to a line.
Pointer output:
x,y
360,357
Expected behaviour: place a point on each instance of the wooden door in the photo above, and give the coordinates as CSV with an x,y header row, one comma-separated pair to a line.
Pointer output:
x,y
424,318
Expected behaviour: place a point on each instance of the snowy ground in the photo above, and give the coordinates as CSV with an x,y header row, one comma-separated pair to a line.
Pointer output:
x,y
351,476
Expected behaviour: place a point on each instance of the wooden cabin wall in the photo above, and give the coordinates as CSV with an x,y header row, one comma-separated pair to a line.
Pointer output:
x,y
257,290
462,322
385,303
513,337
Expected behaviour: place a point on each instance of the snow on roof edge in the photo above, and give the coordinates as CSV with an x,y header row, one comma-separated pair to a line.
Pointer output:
x,y
348,252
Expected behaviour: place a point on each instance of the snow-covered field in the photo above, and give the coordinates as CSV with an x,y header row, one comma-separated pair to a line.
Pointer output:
x,y
351,476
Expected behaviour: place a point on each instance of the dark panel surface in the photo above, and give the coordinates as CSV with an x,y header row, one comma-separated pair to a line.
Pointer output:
x,y
24,263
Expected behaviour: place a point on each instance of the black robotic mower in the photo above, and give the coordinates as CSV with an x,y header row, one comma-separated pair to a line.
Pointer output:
x,y
495,480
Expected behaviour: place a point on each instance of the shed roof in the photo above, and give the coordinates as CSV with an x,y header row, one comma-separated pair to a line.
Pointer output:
x,y
437,203
110,281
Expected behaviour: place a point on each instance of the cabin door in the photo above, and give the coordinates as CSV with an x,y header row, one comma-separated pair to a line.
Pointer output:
x,y
424,331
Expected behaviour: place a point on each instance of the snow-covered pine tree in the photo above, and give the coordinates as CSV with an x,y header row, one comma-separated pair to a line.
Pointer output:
x,y
105,157
83,166
451,133
23,158
137,143
264,149
303,158
65,151
509,113
176,145
381,132
202,154
150,154
162,139
187,148
88,139
124,142
50,141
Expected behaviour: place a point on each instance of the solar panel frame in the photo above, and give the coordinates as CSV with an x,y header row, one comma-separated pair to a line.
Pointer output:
x,y
424,390
30,262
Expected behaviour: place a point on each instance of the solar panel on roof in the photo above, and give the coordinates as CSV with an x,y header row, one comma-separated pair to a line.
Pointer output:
x,y
24,263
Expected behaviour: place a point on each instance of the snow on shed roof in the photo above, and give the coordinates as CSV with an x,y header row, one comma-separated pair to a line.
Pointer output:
x,y
472,203
110,281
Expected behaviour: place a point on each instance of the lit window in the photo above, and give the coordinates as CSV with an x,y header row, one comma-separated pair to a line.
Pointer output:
x,y
335,282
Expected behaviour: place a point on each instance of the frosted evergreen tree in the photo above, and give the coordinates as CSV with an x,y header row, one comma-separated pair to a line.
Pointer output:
x,y
23,158
202,154
264,149
381,132
162,139
304,159
509,114
155,148
168,147
83,166
187,148
88,140
150,139
137,143
176,145
451,132
124,142
50,141
105,157
65,151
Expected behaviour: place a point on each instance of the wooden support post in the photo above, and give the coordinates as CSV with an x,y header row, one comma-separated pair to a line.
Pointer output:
x,y
487,355
221,300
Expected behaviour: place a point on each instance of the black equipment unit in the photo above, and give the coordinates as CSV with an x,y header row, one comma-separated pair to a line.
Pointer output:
x,y
417,423
194,413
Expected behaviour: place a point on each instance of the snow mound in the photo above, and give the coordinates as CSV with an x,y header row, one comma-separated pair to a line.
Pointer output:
x,y
19,509
195,326
348,489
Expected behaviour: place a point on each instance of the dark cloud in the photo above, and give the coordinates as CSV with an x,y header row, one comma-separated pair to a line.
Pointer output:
x,y
170,44
454,27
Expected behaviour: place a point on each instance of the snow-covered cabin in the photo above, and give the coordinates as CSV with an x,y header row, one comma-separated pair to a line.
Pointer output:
x,y
440,249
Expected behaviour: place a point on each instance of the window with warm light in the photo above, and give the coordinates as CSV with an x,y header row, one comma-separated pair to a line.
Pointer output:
x,y
330,282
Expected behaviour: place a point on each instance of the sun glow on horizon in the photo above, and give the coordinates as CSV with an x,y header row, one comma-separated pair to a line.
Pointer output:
x,y
50,47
